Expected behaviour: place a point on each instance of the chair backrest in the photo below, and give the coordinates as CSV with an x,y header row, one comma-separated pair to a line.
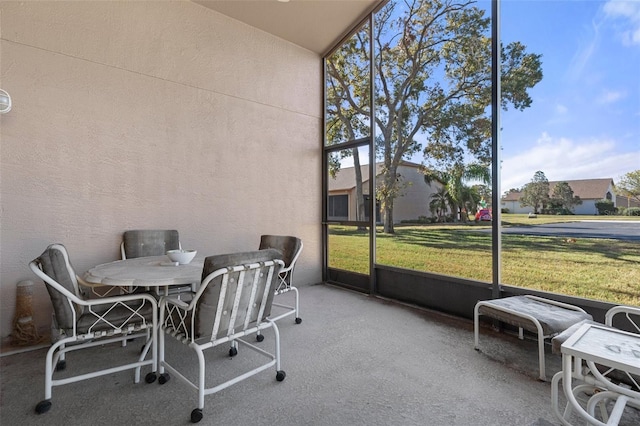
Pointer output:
x,y
291,247
234,296
54,267
148,242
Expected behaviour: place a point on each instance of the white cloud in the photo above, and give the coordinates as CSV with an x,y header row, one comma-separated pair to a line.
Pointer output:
x,y
561,109
563,158
610,96
628,13
584,53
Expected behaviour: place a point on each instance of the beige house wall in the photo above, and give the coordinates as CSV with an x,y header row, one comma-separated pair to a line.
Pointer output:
x,y
414,197
130,115
412,202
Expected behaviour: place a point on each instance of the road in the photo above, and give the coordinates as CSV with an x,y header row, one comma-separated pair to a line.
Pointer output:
x,y
617,230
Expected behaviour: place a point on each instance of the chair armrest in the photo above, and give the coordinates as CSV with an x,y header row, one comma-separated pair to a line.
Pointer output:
x,y
115,314
112,299
176,317
101,290
177,302
120,299
627,311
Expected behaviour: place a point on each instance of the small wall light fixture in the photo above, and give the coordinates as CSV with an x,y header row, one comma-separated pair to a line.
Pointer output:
x,y
5,102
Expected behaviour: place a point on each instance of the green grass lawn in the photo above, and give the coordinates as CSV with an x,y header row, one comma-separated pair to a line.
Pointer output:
x,y
599,269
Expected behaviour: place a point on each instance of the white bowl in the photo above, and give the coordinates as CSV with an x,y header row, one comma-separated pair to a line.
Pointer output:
x,y
182,256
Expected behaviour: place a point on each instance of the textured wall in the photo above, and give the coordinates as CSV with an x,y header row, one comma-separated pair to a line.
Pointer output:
x,y
151,115
415,195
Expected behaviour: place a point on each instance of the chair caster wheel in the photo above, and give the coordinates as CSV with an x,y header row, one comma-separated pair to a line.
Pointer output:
x,y
196,415
280,375
61,365
233,351
43,406
298,320
259,337
164,378
150,377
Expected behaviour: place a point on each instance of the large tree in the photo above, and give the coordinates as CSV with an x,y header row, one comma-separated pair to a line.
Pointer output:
x,y
629,185
348,105
536,193
432,77
562,197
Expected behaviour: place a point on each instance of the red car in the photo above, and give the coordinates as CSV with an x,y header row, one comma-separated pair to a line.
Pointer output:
x,y
483,215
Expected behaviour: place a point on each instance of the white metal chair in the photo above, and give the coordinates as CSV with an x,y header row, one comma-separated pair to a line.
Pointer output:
x,y
84,323
544,317
233,301
291,247
594,392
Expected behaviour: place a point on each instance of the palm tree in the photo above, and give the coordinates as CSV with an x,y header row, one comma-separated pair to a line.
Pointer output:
x,y
470,199
439,202
460,194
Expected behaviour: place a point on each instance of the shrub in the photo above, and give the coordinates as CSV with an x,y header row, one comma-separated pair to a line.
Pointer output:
x,y
605,207
633,211
557,210
563,211
504,210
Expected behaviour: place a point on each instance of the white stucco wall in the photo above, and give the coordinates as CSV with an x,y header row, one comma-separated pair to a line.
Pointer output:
x,y
587,207
132,115
515,207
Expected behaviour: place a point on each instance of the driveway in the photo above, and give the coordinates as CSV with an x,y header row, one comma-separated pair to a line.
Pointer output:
x,y
617,230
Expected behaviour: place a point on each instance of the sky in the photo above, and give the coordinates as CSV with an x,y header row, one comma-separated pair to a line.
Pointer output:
x,y
584,121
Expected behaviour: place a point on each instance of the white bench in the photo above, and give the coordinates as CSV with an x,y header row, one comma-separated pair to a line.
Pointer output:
x,y
544,317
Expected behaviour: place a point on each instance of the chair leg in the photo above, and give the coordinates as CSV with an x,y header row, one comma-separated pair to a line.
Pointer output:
x,y
161,355
49,368
543,375
280,374
233,350
151,376
298,318
201,384
59,360
555,386
476,328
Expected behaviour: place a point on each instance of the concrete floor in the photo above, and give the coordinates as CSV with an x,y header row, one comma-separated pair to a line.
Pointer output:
x,y
354,360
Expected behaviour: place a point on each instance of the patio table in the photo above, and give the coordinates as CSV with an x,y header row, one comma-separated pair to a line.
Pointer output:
x,y
152,272
606,346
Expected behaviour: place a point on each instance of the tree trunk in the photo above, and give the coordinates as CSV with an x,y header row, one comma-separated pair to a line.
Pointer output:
x,y
389,191
388,218
359,190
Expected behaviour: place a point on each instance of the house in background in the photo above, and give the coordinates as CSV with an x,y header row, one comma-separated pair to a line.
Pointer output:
x,y
623,201
411,204
589,190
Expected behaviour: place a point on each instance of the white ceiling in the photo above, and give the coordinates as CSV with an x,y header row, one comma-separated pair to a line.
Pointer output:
x,y
316,25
